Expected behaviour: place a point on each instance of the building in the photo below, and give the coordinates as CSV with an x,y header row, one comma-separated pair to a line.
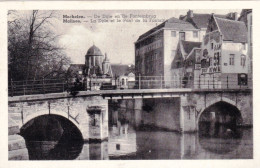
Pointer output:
x,y
155,49
95,72
246,17
224,54
124,76
183,64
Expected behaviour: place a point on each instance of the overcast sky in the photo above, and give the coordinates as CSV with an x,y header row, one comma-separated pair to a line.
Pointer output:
x,y
116,39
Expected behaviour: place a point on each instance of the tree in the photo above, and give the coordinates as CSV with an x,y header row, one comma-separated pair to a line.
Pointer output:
x,y
33,50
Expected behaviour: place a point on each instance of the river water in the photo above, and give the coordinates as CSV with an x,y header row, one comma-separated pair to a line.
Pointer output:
x,y
147,144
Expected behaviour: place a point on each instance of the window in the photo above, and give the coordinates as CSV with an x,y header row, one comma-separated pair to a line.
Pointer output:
x,y
231,59
173,33
244,46
211,61
178,64
242,79
182,35
212,46
243,60
195,34
155,56
173,53
123,81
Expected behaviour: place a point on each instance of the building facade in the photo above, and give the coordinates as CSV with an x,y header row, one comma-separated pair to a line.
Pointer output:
x,y
246,17
155,49
124,77
224,55
183,64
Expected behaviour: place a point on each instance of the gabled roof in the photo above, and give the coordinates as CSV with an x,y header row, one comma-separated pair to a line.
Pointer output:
x,y
232,30
184,48
201,20
189,45
173,23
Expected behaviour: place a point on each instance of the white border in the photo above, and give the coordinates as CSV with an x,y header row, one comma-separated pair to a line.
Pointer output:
x,y
76,5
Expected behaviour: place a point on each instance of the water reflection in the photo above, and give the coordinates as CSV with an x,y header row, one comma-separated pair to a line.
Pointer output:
x,y
214,141
53,150
147,145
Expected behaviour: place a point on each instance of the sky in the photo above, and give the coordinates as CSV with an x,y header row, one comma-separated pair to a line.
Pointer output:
x,y
114,38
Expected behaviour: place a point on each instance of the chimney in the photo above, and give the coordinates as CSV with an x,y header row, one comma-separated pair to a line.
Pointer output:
x,y
190,14
235,16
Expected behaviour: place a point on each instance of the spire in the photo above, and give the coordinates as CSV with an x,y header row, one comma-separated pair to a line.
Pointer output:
x,y
106,58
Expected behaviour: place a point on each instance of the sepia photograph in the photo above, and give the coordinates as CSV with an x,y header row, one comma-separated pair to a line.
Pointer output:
x,y
135,84
130,84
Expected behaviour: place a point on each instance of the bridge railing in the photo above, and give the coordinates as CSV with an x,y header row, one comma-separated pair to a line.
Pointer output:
x,y
41,86
209,82
44,86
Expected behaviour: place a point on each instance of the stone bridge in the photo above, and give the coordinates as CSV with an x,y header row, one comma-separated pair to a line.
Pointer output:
x,y
88,111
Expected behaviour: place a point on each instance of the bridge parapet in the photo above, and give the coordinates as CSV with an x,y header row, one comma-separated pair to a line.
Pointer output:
x,y
75,109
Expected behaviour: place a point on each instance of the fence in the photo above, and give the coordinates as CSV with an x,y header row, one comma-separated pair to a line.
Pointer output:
x,y
44,86
209,82
37,86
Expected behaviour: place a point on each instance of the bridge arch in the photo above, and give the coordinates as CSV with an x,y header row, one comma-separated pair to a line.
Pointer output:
x,y
52,137
211,102
36,114
219,118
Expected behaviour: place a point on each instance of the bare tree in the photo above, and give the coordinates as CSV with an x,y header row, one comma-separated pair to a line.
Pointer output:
x,y
33,50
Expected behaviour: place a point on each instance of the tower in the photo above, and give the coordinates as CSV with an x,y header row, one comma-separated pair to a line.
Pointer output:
x,y
106,67
93,61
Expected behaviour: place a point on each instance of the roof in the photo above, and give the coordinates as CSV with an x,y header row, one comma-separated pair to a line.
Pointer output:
x,y
173,23
201,20
74,68
94,51
189,45
119,69
232,30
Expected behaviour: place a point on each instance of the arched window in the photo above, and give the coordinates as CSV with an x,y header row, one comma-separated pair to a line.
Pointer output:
x,y
243,60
